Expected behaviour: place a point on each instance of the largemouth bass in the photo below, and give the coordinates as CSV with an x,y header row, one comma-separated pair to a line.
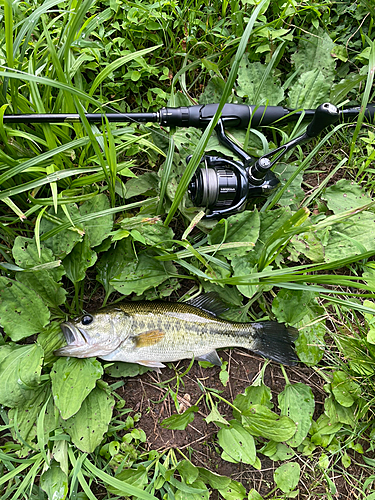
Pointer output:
x,y
153,333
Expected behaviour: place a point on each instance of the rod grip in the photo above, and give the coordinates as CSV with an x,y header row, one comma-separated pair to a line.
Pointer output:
x,y
233,115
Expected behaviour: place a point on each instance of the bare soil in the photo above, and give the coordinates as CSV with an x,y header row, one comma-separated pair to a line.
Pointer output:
x,y
198,441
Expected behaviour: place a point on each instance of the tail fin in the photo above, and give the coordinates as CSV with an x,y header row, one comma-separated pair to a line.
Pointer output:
x,y
275,341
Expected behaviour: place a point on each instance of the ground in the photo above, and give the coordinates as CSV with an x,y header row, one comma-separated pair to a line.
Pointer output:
x,y
199,441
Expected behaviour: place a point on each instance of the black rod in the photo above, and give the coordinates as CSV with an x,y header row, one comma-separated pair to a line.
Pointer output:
x,y
198,116
91,117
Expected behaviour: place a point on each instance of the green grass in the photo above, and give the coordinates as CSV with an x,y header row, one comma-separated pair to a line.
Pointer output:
x,y
93,214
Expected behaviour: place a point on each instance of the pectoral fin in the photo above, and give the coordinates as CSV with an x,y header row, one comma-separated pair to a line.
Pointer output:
x,y
212,357
147,339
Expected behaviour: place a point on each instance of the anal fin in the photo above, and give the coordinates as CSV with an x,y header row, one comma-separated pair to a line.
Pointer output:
x,y
212,357
150,364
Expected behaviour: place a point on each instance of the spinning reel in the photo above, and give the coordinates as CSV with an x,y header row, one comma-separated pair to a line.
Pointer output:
x,y
224,186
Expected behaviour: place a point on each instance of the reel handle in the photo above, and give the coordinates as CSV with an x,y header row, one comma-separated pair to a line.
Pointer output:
x,y
326,114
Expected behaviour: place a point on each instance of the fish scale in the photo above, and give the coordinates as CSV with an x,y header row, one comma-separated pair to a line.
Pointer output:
x,y
152,333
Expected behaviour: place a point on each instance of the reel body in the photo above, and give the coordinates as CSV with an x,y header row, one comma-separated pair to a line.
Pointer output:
x,y
222,186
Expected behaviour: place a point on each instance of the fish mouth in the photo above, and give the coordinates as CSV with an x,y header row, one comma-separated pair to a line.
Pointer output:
x,y
78,342
73,334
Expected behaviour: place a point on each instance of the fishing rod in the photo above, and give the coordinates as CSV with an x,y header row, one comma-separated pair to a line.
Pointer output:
x,y
222,185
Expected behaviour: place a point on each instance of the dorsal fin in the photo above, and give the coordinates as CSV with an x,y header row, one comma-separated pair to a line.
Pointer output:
x,y
209,302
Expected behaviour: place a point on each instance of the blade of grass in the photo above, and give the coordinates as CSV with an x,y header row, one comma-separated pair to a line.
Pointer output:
x,y
21,75
197,155
8,21
29,479
54,177
77,471
167,167
63,199
122,486
37,230
44,157
26,27
324,183
78,11
365,98
96,215
57,68
111,157
14,207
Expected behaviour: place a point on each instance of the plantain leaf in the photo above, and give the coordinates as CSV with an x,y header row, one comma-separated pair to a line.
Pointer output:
x,y
26,416
151,229
297,402
238,444
22,312
340,414
79,260
188,471
310,344
142,274
88,425
277,451
50,339
145,184
294,194
345,195
20,369
180,422
253,395
198,491
25,254
234,491
287,476
254,495
54,482
44,286
345,390
97,229
351,237
310,90
290,306
314,52
216,481
250,75
299,308
261,421
72,381
241,267
120,370
43,281
242,227
114,262
63,242
213,91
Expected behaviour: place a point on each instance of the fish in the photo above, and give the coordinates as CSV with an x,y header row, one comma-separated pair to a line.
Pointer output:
x,y
154,333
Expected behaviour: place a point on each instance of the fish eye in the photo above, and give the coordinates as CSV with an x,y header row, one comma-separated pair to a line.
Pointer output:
x,y
87,319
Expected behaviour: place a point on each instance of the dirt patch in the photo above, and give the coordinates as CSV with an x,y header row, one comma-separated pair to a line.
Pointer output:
x,y
148,394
